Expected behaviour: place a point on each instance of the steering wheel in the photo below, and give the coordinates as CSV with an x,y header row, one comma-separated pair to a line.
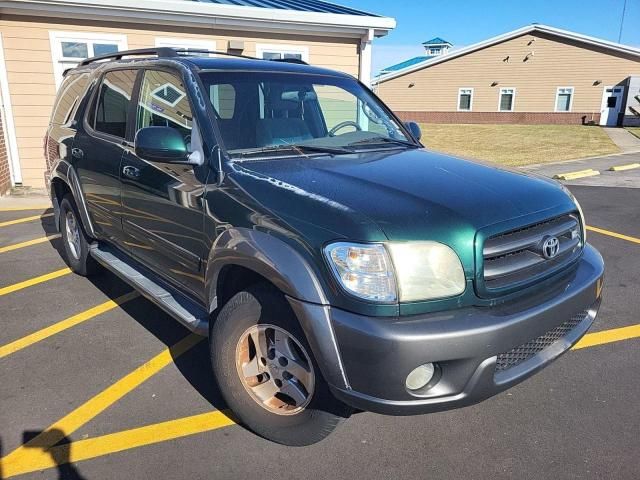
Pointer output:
x,y
347,123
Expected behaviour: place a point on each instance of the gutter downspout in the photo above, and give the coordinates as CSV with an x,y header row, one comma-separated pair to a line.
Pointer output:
x,y
365,57
8,123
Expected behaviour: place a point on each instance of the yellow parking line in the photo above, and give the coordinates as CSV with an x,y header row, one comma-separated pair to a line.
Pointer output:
x,y
28,243
62,325
34,281
613,234
20,209
608,336
40,459
25,219
21,459
42,455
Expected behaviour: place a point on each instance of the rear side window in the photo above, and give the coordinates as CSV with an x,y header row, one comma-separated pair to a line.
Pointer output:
x,y
71,90
112,102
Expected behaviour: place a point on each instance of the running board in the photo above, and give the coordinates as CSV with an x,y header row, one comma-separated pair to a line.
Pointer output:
x,y
179,306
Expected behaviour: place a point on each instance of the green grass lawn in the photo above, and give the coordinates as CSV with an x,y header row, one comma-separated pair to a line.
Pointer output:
x,y
634,130
516,145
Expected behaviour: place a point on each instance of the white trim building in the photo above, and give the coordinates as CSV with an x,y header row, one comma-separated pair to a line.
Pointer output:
x,y
39,39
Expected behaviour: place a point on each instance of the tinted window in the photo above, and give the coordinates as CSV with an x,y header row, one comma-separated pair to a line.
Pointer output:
x,y
164,103
113,102
70,91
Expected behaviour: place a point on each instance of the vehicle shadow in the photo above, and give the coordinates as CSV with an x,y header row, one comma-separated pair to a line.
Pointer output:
x,y
194,364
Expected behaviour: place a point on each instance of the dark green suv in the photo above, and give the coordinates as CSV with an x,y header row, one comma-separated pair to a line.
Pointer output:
x,y
334,263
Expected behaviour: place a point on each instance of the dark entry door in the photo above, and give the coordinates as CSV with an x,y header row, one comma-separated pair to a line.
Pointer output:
x,y
163,213
98,149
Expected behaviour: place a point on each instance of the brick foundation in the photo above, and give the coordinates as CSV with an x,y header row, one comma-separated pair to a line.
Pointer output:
x,y
527,118
5,175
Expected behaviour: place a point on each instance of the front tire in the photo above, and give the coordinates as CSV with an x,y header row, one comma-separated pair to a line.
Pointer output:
x,y
74,240
266,372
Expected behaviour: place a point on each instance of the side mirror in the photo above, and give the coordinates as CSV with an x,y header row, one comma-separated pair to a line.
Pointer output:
x,y
161,144
414,128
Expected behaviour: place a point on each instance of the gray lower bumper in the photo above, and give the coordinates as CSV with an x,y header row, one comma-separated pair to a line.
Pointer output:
x,y
377,354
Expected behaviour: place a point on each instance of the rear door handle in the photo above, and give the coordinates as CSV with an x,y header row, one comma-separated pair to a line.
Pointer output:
x,y
77,153
131,172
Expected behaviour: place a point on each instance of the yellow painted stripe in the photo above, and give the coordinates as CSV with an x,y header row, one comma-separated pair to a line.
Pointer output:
x,y
40,455
28,243
40,459
613,234
25,219
30,207
34,281
608,336
20,459
40,335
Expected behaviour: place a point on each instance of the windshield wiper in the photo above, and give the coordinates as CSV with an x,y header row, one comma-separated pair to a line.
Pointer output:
x,y
374,140
301,148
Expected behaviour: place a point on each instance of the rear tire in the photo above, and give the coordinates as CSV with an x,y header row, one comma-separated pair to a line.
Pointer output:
x,y
74,240
297,420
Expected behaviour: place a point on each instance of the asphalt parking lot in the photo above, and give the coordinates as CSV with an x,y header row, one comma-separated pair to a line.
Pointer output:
x,y
97,383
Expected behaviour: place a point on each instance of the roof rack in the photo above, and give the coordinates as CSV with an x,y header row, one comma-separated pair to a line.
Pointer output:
x,y
289,60
168,52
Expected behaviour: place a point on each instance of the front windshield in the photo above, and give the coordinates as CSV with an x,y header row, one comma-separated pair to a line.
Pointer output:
x,y
260,112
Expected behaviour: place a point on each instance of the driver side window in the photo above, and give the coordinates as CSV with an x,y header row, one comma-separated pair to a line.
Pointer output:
x,y
164,103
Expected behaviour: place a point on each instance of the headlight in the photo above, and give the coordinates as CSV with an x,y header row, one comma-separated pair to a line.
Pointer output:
x,y
426,270
363,270
423,270
580,212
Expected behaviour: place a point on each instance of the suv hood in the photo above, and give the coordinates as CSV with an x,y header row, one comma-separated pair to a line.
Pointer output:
x,y
406,195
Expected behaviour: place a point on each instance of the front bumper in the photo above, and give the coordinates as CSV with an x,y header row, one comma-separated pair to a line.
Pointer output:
x,y
376,354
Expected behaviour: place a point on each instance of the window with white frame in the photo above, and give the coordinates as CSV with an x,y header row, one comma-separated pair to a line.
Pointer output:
x,y
70,48
564,99
507,99
281,52
188,44
465,99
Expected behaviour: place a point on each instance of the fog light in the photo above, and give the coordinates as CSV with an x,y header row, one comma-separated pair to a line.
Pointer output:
x,y
420,376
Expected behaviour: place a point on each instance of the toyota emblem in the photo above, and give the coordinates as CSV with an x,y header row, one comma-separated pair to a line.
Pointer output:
x,y
550,247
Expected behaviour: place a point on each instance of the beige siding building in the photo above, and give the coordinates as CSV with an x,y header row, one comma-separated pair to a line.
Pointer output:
x,y
536,74
40,39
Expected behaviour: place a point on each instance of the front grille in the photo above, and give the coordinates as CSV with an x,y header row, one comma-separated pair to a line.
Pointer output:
x,y
527,350
518,256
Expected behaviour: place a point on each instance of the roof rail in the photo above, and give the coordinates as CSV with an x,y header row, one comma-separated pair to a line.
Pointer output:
x,y
289,60
161,52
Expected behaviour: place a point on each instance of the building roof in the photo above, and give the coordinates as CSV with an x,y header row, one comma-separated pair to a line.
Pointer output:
x,y
291,16
296,5
406,63
577,37
436,41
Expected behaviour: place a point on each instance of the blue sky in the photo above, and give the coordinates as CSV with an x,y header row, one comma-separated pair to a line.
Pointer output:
x,y
467,22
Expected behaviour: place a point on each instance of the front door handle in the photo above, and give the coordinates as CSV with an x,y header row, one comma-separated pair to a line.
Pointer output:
x,y
131,172
77,153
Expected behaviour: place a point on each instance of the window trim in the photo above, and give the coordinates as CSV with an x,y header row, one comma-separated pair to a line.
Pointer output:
x,y
555,106
57,37
262,48
470,109
513,99
196,43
